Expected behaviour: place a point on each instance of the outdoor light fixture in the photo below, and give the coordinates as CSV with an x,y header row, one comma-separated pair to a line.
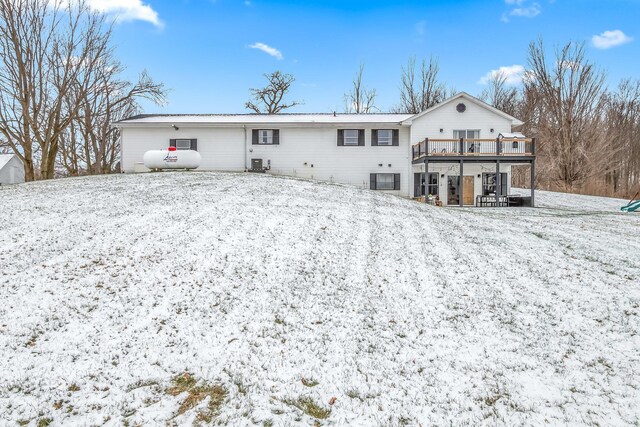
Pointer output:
x,y
442,176
175,127
389,164
479,175
491,130
380,164
441,130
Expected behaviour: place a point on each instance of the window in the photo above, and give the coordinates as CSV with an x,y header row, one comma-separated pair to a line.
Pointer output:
x,y
184,144
266,137
424,187
489,184
432,184
351,137
470,147
466,134
385,137
385,181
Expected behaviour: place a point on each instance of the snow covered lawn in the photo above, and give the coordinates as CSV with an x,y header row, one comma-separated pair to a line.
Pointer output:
x,y
245,299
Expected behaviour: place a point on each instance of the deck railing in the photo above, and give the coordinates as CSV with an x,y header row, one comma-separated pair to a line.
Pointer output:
x,y
474,147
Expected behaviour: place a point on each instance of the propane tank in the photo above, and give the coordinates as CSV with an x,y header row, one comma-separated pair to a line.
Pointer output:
x,y
172,159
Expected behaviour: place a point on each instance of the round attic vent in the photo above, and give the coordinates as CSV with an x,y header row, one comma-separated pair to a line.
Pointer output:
x,y
461,108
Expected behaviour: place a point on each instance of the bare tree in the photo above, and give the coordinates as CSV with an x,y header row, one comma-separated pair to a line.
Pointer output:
x,y
570,95
270,99
360,100
91,145
500,95
623,134
422,91
44,47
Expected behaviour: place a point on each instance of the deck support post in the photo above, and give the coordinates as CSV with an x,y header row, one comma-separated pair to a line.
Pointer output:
x,y
461,183
426,177
533,182
498,183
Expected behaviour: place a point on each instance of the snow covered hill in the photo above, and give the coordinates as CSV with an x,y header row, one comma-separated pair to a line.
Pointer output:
x,y
243,299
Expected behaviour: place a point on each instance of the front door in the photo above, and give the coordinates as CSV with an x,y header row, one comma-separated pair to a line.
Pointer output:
x,y
453,194
467,190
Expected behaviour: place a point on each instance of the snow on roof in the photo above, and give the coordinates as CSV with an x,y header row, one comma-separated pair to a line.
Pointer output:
x,y
265,118
4,159
512,135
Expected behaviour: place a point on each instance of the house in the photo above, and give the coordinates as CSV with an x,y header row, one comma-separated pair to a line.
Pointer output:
x,y
409,155
11,169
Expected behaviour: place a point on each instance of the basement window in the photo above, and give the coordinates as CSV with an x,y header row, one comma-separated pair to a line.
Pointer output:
x,y
385,181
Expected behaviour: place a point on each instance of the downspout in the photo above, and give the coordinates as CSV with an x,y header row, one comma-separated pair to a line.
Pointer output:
x,y
244,127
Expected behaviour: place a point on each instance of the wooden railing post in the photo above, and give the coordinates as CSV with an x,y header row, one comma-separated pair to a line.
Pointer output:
x,y
498,146
461,148
426,146
533,146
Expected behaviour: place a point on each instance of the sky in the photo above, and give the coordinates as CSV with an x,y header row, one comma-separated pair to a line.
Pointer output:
x,y
210,52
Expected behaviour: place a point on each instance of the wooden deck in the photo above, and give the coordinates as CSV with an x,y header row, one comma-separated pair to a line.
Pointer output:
x,y
499,147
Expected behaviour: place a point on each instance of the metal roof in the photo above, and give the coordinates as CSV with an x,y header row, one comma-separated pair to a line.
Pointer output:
x,y
240,119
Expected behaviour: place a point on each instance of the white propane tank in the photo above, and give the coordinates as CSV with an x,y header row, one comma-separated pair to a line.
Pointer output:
x,y
172,159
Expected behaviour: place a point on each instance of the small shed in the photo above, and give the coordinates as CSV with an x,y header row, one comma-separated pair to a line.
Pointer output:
x,y
11,169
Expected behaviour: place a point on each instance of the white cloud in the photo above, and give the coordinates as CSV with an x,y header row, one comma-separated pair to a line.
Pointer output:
x,y
512,73
127,10
268,50
523,10
610,39
421,28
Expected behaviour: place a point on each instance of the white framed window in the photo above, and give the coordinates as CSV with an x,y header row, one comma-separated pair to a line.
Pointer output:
x,y
385,137
385,181
183,144
265,136
351,137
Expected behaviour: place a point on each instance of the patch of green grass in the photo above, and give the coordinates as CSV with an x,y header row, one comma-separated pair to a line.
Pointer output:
x,y
309,407
353,394
74,387
309,382
197,391
44,422
23,422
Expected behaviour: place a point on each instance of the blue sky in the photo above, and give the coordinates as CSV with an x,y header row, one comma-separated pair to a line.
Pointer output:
x,y
206,51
